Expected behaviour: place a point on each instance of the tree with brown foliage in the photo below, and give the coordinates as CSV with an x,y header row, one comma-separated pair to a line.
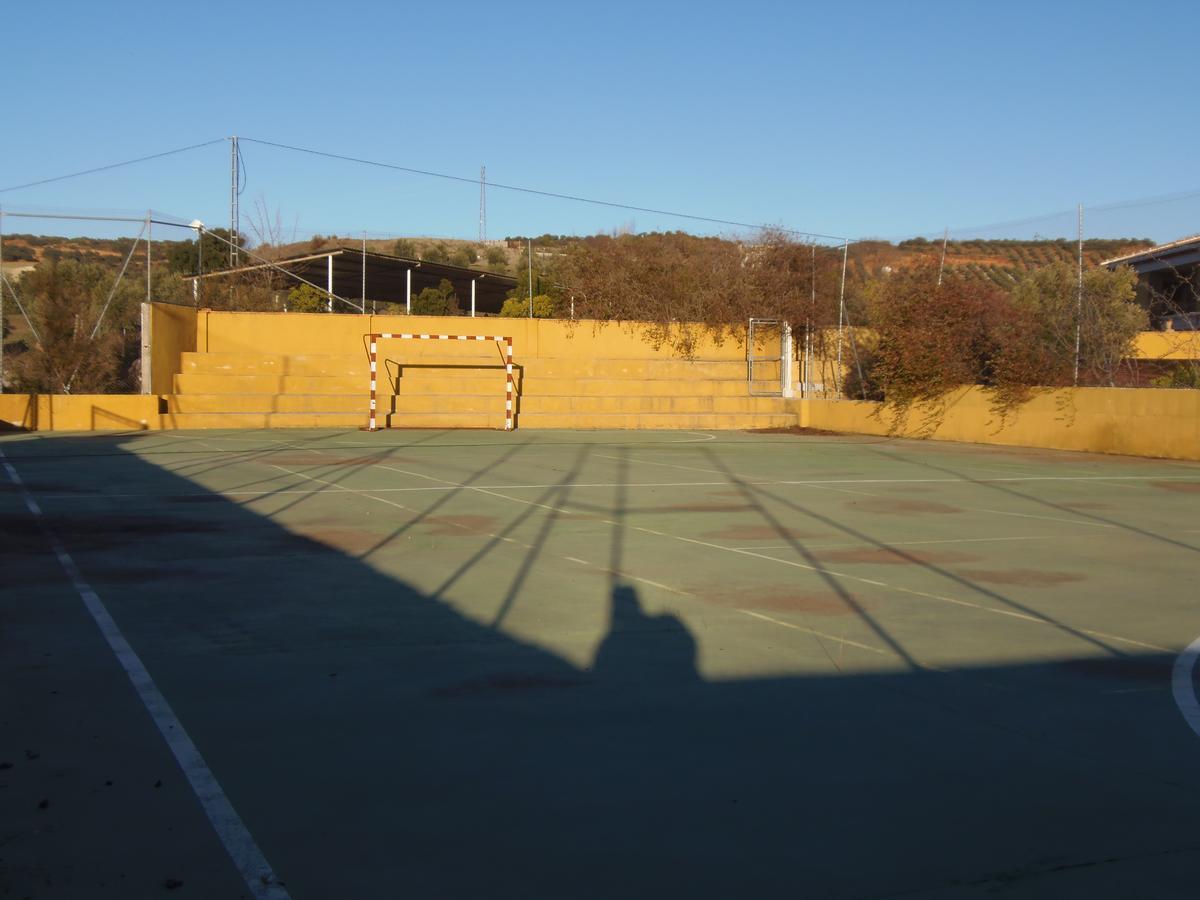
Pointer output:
x,y
683,286
932,338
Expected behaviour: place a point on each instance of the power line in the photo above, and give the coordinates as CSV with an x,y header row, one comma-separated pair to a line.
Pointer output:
x,y
539,193
128,162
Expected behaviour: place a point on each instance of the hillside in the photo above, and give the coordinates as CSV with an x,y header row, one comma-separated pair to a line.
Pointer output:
x,y
1000,262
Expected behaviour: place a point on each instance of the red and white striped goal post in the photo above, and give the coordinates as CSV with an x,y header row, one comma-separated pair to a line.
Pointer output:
x,y
508,365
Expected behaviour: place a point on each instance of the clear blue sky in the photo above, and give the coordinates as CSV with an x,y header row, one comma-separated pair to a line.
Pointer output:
x,y
886,119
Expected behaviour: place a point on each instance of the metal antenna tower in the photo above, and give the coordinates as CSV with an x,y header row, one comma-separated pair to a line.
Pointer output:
x,y
482,204
234,186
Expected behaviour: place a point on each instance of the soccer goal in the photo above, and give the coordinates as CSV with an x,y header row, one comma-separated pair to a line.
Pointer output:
x,y
505,342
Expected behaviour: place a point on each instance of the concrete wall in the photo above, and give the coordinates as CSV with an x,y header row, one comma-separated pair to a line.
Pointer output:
x,y
178,329
80,412
1168,345
302,333
1133,421
168,331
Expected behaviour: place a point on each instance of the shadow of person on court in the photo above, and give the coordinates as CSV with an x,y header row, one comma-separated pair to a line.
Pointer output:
x,y
652,649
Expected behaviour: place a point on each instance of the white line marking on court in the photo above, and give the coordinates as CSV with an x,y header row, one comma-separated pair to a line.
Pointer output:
x,y
230,828
1001,512
1030,537
614,572
1038,620
813,631
1183,685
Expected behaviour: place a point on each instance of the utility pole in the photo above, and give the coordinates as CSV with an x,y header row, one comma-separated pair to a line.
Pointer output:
x,y
942,264
149,225
531,278
1079,298
482,204
1,301
234,190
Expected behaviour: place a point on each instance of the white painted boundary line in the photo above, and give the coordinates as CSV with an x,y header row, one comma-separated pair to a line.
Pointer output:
x,y
628,576
230,828
912,592
1183,685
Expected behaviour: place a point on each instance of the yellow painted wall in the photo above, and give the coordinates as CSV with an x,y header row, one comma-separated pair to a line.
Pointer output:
x,y
299,333
1168,345
1133,421
18,411
172,332
80,412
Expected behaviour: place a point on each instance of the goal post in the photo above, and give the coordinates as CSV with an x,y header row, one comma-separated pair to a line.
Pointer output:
x,y
506,342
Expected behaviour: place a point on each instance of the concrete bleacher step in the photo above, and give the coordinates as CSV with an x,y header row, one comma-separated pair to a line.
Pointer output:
x,y
316,365
276,403
671,403
262,420
666,421
204,383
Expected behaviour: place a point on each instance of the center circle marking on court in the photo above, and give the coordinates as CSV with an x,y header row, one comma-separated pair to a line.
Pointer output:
x,y
1183,685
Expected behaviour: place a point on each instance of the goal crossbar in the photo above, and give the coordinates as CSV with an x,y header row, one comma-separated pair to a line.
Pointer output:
x,y
507,342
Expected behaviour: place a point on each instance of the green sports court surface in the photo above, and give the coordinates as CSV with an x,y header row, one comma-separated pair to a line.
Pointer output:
x,y
330,664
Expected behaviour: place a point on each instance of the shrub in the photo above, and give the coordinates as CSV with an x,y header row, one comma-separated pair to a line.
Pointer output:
x,y
438,253
438,301
1184,375
544,307
306,298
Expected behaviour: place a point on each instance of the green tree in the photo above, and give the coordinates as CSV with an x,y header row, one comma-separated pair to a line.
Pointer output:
x,y
306,298
438,253
75,350
544,307
438,301
1036,344
405,248
497,258
184,256
464,256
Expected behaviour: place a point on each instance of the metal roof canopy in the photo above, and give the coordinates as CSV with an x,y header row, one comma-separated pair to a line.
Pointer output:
x,y
1183,252
387,276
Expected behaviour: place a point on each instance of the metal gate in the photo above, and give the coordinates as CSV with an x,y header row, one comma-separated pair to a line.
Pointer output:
x,y
768,358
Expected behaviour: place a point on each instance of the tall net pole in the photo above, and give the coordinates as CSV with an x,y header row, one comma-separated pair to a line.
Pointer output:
x,y
1079,298
837,375
1,301
234,185
149,212
942,264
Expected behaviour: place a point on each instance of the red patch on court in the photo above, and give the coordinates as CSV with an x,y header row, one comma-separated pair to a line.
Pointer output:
x,y
459,526
760,533
348,540
1178,487
785,598
1022,577
896,557
901,507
